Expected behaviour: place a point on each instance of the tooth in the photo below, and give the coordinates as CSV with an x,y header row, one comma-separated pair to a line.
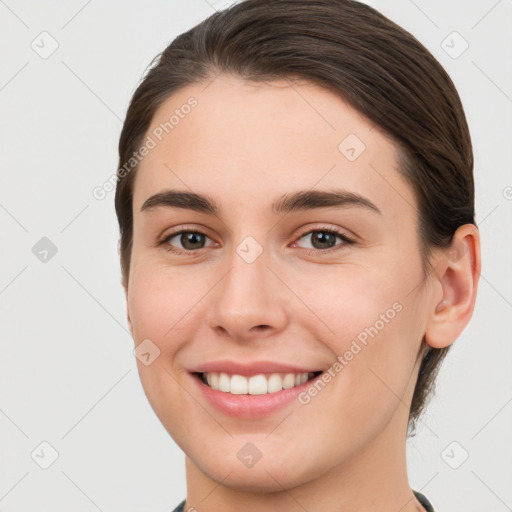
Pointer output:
x,y
238,385
289,381
214,377
224,382
275,383
258,385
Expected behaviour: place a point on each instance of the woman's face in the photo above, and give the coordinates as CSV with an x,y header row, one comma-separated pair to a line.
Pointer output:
x,y
329,283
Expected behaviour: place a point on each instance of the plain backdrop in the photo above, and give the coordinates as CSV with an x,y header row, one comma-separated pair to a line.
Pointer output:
x,y
70,395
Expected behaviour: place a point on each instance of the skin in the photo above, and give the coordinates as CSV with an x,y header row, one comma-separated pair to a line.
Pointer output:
x,y
246,145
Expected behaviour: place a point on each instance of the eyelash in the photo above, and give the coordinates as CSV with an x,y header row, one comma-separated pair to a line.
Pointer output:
x,y
346,241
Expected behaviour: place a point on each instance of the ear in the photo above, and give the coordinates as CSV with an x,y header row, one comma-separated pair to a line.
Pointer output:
x,y
456,274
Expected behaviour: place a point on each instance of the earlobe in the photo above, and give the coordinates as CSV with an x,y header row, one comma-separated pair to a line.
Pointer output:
x,y
457,272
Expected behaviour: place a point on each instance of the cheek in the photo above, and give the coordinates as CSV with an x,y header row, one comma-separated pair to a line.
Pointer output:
x,y
160,305
374,331
357,300
349,302
159,300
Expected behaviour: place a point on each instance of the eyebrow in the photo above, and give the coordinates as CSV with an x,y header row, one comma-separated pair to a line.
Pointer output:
x,y
296,201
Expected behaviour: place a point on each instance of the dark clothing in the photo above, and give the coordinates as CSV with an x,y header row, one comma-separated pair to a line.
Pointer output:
x,y
421,499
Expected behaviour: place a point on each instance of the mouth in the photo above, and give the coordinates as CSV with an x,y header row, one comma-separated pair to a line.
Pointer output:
x,y
257,384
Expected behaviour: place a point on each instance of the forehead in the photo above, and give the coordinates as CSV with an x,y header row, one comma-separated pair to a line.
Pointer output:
x,y
256,138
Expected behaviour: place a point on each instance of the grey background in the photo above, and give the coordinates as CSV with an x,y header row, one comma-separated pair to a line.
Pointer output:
x,y
67,371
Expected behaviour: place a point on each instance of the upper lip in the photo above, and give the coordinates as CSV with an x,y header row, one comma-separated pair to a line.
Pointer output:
x,y
252,368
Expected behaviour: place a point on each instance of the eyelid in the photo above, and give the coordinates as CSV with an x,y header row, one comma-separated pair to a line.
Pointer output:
x,y
334,229
195,228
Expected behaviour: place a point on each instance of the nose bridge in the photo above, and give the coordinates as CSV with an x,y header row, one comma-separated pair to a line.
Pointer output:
x,y
248,295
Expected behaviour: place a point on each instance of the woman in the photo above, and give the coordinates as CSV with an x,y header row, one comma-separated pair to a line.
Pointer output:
x,y
298,246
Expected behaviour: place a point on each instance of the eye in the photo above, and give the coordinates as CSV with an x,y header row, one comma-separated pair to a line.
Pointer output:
x,y
324,240
190,241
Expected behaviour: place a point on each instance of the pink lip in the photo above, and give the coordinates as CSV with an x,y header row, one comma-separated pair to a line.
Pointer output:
x,y
250,406
252,368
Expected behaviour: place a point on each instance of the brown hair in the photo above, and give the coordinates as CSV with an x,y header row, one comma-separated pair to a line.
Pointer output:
x,y
354,51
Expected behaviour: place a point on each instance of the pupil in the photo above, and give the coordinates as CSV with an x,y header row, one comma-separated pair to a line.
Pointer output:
x,y
324,237
191,238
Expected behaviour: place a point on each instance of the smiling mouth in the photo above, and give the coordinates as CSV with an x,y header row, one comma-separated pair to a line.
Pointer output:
x,y
258,384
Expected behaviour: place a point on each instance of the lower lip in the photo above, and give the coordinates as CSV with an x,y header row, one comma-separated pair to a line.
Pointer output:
x,y
251,406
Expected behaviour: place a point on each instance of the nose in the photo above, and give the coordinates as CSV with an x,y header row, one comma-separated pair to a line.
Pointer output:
x,y
249,302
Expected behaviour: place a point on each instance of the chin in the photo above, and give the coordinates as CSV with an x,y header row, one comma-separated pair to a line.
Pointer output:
x,y
269,474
